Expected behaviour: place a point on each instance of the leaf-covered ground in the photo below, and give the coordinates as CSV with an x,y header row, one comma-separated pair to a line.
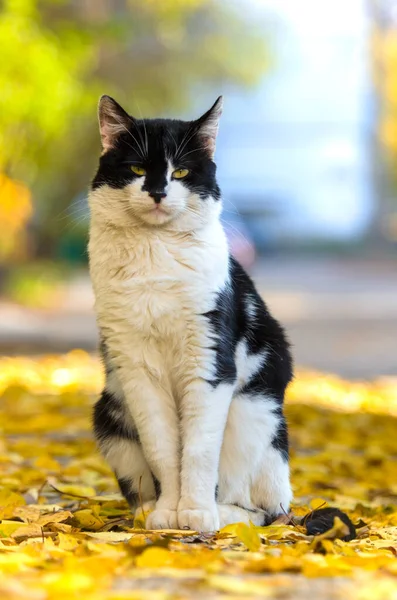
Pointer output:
x,y
65,532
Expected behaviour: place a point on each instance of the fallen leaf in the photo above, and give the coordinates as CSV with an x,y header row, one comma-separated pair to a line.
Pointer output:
x,y
88,520
246,534
76,540
317,503
73,490
8,502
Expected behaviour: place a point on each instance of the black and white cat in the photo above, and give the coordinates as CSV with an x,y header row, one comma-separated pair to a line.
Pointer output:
x,y
191,417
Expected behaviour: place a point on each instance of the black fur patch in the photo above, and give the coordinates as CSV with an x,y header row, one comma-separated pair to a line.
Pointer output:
x,y
230,322
109,419
280,440
129,494
178,141
268,519
157,487
222,320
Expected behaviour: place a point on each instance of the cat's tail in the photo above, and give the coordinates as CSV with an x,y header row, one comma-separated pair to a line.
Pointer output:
x,y
230,513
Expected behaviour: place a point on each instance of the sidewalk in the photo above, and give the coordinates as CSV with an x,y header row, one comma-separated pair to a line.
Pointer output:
x,y
340,315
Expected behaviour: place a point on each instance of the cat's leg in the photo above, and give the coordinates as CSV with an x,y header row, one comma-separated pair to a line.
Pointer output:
x,y
271,488
119,443
253,470
204,412
155,416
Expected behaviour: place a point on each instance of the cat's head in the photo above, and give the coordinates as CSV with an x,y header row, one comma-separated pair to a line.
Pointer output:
x,y
156,172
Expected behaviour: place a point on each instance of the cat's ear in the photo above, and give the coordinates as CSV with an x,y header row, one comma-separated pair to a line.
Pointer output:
x,y
113,120
208,126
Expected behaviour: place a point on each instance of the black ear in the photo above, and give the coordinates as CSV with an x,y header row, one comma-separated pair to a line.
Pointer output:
x,y
113,120
208,126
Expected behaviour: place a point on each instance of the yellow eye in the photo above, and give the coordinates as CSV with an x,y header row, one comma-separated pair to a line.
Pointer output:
x,y
138,170
180,173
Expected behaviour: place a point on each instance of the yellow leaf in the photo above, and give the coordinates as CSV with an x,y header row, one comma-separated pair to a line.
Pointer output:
x,y
230,529
280,532
7,528
69,584
28,514
317,503
110,536
45,508
249,537
28,531
141,515
47,464
67,542
315,565
74,490
328,546
59,527
55,517
8,502
11,563
154,558
87,520
245,533
109,498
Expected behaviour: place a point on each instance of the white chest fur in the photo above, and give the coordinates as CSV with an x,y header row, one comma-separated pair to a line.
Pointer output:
x,y
152,287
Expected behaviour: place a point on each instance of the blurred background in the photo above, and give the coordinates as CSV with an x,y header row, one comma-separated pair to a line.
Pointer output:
x,y
306,157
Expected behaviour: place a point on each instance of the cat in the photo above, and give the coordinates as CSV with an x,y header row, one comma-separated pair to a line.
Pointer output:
x,y
191,416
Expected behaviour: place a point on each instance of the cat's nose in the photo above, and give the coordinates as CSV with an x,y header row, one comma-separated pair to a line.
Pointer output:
x,y
158,196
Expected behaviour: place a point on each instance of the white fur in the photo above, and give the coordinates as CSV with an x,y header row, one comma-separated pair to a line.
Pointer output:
x,y
251,309
204,415
155,273
242,476
247,364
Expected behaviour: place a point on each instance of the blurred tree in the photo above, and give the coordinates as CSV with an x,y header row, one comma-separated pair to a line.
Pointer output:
x,y
59,56
15,211
384,65
384,51
42,89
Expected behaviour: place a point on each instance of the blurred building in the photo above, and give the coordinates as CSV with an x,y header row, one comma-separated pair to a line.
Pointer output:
x,y
295,156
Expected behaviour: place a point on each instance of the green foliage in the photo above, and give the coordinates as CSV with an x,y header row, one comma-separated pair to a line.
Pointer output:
x,y
58,57
41,78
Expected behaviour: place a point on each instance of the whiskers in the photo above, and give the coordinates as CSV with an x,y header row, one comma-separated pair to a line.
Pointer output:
x,y
198,149
146,144
185,140
74,215
138,148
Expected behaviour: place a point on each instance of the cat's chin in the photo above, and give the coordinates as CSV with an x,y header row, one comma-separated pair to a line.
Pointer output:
x,y
157,216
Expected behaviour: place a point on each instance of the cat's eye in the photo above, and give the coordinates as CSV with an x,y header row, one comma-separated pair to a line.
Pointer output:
x,y
180,173
138,170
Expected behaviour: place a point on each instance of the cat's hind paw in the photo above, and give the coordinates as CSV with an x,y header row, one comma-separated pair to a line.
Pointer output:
x,y
162,519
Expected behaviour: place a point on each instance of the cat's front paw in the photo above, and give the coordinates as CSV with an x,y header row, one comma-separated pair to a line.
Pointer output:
x,y
198,519
162,519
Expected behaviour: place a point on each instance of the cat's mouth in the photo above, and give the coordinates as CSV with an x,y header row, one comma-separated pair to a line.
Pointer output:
x,y
158,209
157,214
